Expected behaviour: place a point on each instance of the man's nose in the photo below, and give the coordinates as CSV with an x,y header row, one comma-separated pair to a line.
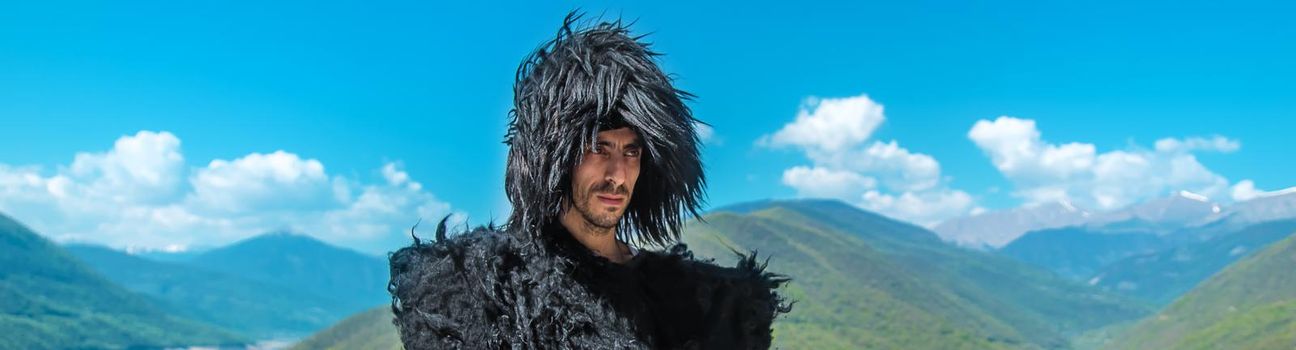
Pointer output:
x,y
615,171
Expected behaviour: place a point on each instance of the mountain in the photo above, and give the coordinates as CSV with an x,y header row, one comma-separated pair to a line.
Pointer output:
x,y
175,256
1077,252
1163,276
1274,206
50,300
354,280
371,329
864,280
1249,305
258,309
1182,209
993,230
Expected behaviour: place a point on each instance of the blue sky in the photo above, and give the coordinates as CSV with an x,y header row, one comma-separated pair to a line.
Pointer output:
x,y
383,112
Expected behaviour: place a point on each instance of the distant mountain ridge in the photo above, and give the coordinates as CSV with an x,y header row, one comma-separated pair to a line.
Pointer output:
x,y
1155,261
253,308
1077,252
1182,209
276,285
996,229
304,263
1161,277
50,300
1165,215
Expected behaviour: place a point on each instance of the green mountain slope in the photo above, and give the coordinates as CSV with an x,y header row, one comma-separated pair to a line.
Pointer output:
x,y
848,294
1249,305
371,329
257,309
998,299
1163,276
49,300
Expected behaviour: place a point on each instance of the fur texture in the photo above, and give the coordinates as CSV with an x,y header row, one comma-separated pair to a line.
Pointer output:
x,y
490,289
573,86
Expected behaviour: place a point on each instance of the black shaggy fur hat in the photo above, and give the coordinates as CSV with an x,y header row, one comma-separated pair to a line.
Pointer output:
x,y
591,79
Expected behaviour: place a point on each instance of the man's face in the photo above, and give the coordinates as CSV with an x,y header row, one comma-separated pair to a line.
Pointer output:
x,y
605,178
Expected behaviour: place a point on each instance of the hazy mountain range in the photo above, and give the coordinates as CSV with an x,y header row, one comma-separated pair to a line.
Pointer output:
x,y
996,229
1157,251
84,296
269,286
51,300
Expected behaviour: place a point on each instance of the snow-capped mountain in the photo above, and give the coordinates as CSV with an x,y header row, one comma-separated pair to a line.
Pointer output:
x,y
1178,210
1271,206
997,228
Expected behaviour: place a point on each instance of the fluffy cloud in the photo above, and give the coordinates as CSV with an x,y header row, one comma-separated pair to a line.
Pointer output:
x,y
140,194
827,183
882,176
1246,190
829,124
1044,172
1215,143
276,181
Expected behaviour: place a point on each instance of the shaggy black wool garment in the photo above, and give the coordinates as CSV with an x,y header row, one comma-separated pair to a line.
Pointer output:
x,y
492,289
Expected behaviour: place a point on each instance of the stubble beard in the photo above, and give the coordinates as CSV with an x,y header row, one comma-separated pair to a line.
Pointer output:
x,y
601,221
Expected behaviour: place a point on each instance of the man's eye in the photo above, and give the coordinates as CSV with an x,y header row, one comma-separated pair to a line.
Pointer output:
x,y
632,153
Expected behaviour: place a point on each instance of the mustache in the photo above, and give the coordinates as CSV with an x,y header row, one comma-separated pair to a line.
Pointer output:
x,y
607,187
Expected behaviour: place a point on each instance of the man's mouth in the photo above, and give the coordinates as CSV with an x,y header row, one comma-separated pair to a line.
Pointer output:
x,y
610,199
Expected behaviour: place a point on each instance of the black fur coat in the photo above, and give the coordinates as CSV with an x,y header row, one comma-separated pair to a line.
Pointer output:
x,y
490,289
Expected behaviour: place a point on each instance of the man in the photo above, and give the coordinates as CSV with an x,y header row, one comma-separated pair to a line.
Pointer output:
x,y
602,153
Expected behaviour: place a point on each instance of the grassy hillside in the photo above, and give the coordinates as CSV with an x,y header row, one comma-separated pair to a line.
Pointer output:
x,y
257,309
371,329
999,300
1249,305
49,300
848,294
1270,326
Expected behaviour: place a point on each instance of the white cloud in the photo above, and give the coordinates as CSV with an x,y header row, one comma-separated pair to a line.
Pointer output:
x,y
275,181
1246,190
1045,172
885,177
830,124
136,195
827,183
1215,143
143,168
925,207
